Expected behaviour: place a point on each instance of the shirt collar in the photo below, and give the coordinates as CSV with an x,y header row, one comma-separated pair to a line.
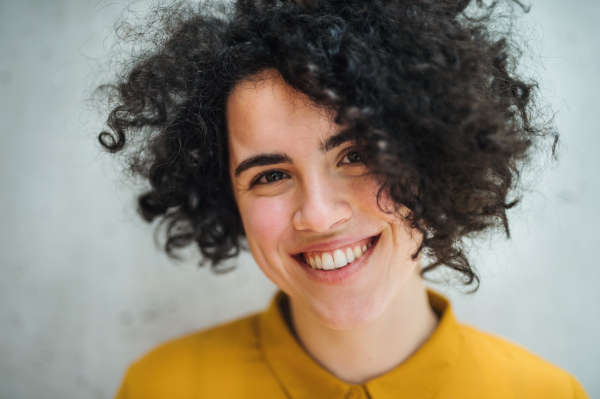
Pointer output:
x,y
425,371
420,376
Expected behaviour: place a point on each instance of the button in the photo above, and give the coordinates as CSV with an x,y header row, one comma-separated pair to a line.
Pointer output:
x,y
354,393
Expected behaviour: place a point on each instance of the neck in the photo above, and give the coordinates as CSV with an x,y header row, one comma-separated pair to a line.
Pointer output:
x,y
359,355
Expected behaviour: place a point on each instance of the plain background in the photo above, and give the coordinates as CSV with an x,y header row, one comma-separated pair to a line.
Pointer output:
x,y
84,291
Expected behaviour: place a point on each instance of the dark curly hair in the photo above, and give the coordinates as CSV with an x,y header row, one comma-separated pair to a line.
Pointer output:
x,y
429,92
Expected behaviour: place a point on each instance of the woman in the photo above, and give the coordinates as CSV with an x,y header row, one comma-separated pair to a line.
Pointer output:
x,y
351,146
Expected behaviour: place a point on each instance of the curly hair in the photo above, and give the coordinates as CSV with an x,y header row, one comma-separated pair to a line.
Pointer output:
x,y
430,93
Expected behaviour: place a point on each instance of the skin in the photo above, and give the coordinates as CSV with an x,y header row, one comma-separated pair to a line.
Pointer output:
x,y
358,322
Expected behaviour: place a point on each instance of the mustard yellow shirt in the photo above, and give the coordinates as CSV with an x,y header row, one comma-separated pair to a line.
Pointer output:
x,y
258,357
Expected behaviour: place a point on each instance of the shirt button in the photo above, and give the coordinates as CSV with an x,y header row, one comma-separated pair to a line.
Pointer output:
x,y
354,393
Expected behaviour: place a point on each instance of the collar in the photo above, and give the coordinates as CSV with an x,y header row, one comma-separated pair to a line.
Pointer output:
x,y
301,377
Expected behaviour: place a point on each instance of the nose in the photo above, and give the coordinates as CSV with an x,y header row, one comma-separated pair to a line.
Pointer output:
x,y
322,206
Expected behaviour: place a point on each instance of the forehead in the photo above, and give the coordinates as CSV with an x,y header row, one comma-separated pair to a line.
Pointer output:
x,y
266,115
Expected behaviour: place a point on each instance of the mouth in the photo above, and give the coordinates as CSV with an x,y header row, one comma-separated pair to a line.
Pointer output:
x,y
338,257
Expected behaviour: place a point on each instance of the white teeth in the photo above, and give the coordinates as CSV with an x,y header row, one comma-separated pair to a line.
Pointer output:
x,y
339,258
328,262
350,255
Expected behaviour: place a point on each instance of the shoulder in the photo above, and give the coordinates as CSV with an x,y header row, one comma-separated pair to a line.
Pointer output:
x,y
228,340
496,362
176,368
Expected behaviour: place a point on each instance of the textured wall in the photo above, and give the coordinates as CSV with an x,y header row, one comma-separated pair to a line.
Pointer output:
x,y
83,291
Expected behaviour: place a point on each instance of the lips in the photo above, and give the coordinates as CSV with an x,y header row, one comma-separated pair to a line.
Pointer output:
x,y
338,257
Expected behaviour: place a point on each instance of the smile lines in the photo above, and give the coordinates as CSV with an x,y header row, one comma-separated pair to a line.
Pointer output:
x,y
339,257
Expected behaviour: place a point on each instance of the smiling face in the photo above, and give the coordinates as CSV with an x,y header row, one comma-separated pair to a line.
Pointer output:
x,y
306,199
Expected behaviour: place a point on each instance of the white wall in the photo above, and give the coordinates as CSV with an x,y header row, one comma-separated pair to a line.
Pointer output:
x,y
83,291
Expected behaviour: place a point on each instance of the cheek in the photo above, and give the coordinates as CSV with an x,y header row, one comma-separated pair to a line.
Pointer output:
x,y
265,220
406,240
364,192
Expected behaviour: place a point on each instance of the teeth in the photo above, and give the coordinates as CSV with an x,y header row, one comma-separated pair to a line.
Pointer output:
x,y
350,255
328,262
340,257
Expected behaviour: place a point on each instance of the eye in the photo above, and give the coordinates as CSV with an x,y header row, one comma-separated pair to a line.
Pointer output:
x,y
351,157
271,177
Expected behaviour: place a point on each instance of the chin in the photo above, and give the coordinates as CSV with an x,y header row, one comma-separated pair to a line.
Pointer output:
x,y
350,313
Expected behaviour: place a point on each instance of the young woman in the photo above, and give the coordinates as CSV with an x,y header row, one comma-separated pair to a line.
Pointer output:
x,y
351,146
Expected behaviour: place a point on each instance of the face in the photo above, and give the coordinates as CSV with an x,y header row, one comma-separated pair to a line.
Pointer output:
x,y
309,207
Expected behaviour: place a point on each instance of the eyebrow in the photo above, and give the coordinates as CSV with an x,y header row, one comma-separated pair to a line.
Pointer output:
x,y
334,141
276,158
262,160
